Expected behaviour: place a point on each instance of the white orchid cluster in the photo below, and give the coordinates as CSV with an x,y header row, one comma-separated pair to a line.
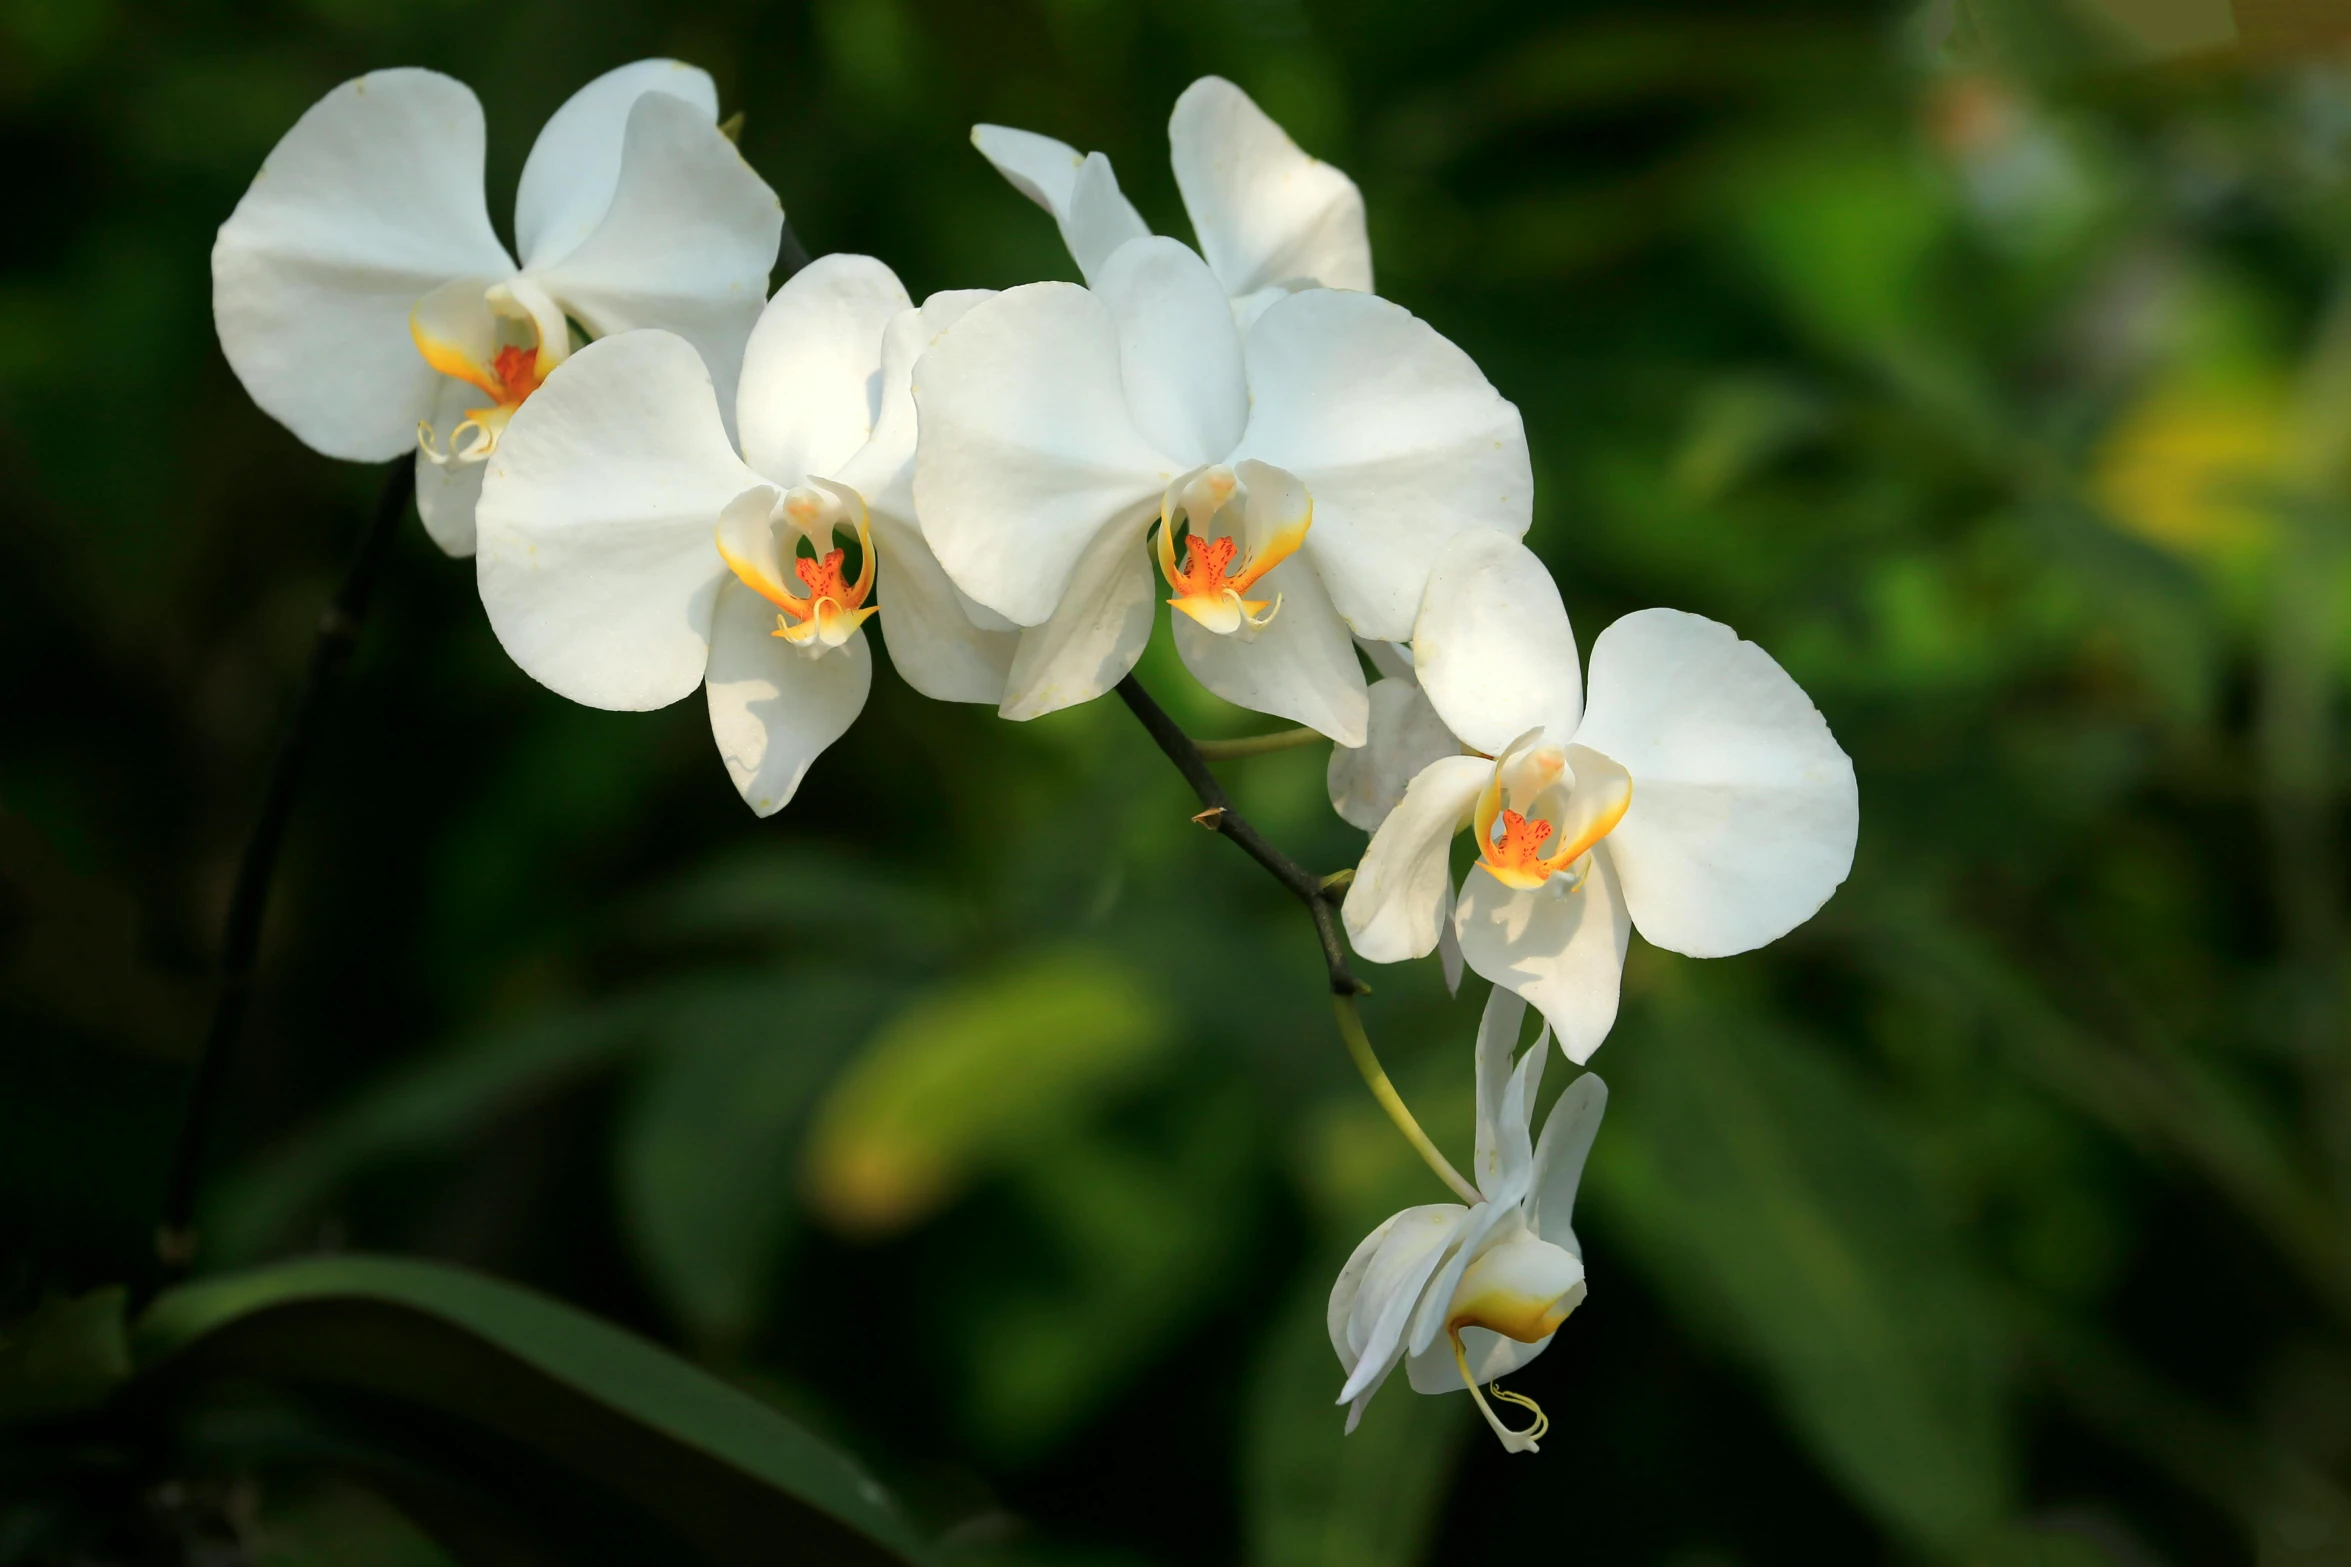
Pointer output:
x,y
661,472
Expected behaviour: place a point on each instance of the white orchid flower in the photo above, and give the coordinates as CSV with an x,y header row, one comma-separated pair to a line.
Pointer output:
x,y
1698,796
1463,1296
1303,480
1270,219
366,304
628,554
1402,735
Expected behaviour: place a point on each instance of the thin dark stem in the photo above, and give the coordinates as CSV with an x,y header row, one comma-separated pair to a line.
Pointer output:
x,y
1220,817
330,651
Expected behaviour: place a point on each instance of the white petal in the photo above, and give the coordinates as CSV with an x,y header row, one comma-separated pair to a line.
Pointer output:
x,y
1094,217
1559,1160
372,200
446,493
1027,450
1744,808
574,166
1489,1354
812,372
1498,1028
1392,910
1349,1283
1563,951
1400,438
1301,666
1392,1285
773,709
685,245
1264,211
1428,1317
1100,219
1180,352
598,522
933,645
1492,647
1449,943
1402,735
1094,636
882,470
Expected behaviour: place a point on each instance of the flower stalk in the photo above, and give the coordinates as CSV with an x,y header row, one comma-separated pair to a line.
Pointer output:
x,y
330,653
1375,1077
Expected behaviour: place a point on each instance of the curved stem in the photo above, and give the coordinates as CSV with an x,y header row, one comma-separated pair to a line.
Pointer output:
x,y
1259,745
330,651
1376,1077
1319,894
1220,817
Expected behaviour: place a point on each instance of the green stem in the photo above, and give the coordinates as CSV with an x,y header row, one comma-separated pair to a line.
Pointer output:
x,y
1375,1077
1257,745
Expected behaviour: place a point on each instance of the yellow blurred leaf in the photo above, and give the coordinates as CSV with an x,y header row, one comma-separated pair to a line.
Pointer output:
x,y
966,1077
2185,467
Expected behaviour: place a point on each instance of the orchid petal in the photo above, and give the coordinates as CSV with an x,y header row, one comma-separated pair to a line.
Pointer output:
x,y
933,645
773,708
597,562
1488,1354
1178,348
1492,647
882,470
371,201
1392,1286
574,167
1300,666
1094,635
1402,735
1429,1313
1563,951
685,245
1264,211
1028,452
1744,809
1559,1160
447,493
1348,1285
1399,437
811,393
1079,189
1392,910
1498,1028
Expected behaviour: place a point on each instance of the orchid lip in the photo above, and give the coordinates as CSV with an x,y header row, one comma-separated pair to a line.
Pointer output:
x,y
1598,791
1216,570
457,329
831,607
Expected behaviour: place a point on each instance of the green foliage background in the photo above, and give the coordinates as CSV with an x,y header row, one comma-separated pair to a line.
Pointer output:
x,y
983,1114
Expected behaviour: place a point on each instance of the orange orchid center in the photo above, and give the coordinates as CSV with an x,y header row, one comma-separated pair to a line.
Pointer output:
x,y
1219,565
1584,794
457,328
1203,570
751,535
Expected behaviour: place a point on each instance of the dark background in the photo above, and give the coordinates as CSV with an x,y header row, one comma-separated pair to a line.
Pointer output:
x,y
985,1114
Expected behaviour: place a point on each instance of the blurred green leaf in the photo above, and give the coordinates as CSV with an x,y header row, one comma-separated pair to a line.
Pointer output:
x,y
726,1475
1317,1495
709,1141
1774,1202
65,1355
965,1079
425,1104
1138,1240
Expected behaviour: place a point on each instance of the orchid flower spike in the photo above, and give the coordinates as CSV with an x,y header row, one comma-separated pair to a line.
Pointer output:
x,y
1697,797
367,305
1465,1296
1270,219
628,554
1302,481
